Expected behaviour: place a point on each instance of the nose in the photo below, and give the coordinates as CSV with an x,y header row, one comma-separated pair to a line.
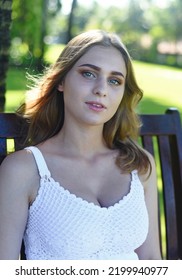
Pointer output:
x,y
100,87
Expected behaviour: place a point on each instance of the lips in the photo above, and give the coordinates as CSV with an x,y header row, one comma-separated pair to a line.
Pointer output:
x,y
96,105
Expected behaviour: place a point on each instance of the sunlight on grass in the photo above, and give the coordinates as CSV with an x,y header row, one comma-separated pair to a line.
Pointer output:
x,y
10,146
13,99
161,84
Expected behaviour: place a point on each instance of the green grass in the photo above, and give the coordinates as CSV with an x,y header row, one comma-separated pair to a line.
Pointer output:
x,y
16,86
162,87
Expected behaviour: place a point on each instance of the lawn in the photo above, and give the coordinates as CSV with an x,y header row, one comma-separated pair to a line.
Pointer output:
x,y
162,87
16,85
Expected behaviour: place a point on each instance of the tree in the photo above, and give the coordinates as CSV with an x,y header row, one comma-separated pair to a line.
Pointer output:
x,y
71,20
5,22
28,29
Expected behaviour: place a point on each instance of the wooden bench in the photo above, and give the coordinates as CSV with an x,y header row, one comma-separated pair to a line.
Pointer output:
x,y
161,135
164,133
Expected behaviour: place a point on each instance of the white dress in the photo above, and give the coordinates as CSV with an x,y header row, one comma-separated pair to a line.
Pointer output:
x,y
62,226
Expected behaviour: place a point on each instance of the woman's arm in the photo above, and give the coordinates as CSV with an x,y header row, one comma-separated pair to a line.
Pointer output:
x,y
14,203
150,249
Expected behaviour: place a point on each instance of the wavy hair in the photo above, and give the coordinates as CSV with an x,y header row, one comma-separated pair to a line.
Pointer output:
x,y
45,113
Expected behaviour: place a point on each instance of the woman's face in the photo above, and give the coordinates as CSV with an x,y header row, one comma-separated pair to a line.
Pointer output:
x,y
94,87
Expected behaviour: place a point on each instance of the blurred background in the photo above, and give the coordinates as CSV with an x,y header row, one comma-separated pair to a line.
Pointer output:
x,y
33,33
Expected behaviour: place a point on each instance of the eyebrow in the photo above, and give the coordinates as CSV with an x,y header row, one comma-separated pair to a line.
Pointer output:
x,y
98,68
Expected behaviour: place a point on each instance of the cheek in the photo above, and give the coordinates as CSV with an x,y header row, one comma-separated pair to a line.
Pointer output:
x,y
118,99
116,103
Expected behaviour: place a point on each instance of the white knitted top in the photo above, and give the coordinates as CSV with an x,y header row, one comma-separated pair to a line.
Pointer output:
x,y
62,226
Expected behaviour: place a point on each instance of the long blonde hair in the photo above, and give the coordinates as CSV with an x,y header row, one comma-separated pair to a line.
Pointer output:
x,y
45,115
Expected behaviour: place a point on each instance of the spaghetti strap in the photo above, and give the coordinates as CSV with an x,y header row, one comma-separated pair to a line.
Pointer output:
x,y
40,161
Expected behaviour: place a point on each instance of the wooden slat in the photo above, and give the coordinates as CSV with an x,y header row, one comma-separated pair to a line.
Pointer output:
x,y
148,144
11,127
170,152
169,197
3,147
158,124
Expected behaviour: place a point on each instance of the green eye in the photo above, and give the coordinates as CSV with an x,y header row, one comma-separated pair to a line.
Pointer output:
x,y
88,74
114,82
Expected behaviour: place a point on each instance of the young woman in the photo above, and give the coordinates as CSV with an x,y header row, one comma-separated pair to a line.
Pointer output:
x,y
83,188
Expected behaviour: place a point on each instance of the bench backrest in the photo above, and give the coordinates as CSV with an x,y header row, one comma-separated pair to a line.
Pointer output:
x,y
10,128
161,135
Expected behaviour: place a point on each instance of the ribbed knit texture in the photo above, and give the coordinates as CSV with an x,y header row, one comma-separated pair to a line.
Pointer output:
x,y
63,226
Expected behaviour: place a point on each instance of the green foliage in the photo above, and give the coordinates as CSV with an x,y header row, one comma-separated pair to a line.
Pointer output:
x,y
5,22
26,40
35,27
29,28
133,22
53,53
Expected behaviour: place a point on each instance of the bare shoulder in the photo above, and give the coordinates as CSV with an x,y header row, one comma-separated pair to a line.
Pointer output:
x,y
18,178
18,171
18,162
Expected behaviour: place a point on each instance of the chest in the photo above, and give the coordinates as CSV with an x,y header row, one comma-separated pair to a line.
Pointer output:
x,y
100,182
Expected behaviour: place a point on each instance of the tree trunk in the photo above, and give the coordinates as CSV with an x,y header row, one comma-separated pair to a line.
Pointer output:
x,y
5,22
71,20
40,60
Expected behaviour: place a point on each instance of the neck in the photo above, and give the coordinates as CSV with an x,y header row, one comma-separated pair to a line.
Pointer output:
x,y
84,142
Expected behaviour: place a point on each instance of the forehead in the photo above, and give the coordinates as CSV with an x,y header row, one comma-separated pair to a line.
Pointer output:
x,y
107,58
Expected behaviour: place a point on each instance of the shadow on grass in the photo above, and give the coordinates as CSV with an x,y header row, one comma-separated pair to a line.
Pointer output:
x,y
151,106
16,79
